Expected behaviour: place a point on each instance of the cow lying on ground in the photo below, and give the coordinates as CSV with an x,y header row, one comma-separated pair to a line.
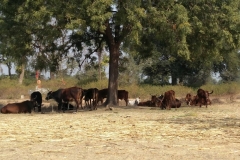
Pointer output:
x,y
168,99
134,102
22,107
37,97
203,97
144,103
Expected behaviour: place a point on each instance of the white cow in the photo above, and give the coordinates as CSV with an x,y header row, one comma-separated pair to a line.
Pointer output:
x,y
134,102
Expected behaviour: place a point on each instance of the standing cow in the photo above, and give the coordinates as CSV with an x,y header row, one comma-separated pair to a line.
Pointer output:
x,y
123,94
56,95
91,98
102,94
22,107
67,95
37,97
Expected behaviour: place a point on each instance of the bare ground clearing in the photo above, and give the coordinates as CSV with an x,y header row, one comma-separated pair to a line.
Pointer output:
x,y
138,133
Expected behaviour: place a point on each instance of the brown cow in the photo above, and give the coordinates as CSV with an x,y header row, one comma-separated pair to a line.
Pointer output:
x,y
175,104
91,94
22,107
203,97
73,94
195,101
156,101
169,97
66,95
188,99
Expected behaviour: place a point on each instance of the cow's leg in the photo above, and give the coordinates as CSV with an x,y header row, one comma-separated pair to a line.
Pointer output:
x,y
126,100
39,108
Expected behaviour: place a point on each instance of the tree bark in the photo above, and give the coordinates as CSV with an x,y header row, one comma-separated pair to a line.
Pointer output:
x,y
22,74
114,46
112,99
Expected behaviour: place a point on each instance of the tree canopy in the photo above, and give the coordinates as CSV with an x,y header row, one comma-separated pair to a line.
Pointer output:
x,y
182,39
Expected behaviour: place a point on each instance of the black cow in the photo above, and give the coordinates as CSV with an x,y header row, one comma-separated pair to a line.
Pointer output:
x,y
102,94
91,98
56,95
123,94
22,107
37,97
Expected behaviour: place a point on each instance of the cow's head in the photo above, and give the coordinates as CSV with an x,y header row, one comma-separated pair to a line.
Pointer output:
x,y
49,95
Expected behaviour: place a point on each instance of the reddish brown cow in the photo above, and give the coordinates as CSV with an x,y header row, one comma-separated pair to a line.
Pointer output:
x,y
22,107
62,96
203,97
73,94
169,97
91,98
175,104
195,101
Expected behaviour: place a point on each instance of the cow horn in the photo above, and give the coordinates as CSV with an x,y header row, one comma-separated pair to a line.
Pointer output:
x,y
210,92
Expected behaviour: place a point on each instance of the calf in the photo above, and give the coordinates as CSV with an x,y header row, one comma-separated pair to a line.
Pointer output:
x,y
22,107
188,99
134,102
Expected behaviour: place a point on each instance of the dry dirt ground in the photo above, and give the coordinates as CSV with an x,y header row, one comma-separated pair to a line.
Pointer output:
x,y
125,133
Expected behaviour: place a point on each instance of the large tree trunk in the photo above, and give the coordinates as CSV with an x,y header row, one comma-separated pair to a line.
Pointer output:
x,y
114,46
112,99
22,74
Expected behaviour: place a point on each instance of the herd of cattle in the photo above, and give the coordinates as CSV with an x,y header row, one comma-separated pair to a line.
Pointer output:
x,y
93,96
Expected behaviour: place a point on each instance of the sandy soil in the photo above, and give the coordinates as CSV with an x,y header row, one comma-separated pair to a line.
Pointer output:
x,y
126,133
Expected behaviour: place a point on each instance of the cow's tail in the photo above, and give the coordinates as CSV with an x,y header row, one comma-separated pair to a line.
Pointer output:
x,y
210,92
